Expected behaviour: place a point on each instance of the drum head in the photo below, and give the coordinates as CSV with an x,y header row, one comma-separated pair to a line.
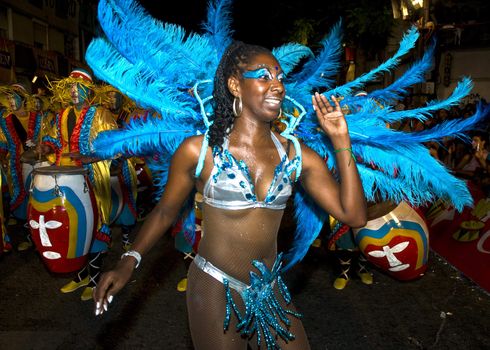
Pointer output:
x,y
31,157
377,210
56,170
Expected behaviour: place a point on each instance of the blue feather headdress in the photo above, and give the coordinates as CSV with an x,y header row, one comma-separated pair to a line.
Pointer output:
x,y
163,69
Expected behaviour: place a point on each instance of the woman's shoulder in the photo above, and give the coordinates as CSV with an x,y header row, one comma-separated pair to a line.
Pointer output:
x,y
188,151
192,144
288,144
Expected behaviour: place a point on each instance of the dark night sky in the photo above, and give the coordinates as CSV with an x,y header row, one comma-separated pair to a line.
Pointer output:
x,y
264,22
270,22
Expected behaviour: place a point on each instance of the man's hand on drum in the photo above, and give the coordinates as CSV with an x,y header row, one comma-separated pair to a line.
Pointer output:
x,y
110,283
43,149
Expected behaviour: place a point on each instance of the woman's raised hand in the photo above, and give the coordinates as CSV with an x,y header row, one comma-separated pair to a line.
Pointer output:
x,y
331,118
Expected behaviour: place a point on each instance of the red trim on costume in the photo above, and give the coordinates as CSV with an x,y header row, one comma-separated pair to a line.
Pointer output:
x,y
103,237
18,166
75,136
340,232
60,136
31,125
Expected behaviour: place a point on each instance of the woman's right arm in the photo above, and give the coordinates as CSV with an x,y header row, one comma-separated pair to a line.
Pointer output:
x,y
179,185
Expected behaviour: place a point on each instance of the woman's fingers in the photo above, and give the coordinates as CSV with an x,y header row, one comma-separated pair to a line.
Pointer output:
x,y
337,104
323,105
103,293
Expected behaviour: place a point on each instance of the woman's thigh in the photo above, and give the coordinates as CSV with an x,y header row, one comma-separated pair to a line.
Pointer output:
x,y
206,308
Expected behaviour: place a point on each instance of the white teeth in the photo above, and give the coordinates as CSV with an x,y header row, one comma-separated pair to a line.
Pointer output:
x,y
273,101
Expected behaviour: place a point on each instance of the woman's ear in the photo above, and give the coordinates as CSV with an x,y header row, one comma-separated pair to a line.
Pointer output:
x,y
233,86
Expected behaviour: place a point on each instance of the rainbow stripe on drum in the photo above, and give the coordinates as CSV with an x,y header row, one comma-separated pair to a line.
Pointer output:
x,y
80,214
383,235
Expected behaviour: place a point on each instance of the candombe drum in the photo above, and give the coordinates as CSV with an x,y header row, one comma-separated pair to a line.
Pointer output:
x,y
395,239
31,161
62,215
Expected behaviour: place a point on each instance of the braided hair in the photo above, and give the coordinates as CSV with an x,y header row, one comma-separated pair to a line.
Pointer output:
x,y
235,57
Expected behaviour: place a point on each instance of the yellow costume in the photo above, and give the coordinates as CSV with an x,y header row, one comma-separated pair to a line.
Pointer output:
x,y
71,137
90,120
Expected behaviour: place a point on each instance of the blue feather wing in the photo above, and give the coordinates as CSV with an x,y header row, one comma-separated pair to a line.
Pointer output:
x,y
157,64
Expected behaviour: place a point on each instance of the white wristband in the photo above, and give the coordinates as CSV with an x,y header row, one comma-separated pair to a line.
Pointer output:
x,y
135,255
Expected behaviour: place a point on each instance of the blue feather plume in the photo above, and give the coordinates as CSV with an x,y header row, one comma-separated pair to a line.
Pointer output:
x,y
407,43
141,38
289,55
321,71
218,25
135,81
142,138
414,75
389,138
462,90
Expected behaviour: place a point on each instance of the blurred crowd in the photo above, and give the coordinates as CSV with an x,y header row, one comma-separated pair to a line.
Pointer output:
x,y
466,156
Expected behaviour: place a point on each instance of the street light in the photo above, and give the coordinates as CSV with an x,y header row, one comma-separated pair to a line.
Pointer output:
x,y
403,8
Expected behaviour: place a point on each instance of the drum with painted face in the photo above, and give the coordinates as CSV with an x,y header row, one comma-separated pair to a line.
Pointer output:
x,y
62,215
395,240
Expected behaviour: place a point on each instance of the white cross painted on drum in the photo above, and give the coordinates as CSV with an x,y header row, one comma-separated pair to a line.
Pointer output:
x,y
395,264
42,226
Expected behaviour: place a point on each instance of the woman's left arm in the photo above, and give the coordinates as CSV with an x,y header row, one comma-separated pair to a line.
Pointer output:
x,y
345,200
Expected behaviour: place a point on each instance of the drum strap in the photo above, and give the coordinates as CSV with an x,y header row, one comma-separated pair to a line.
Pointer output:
x,y
71,122
19,129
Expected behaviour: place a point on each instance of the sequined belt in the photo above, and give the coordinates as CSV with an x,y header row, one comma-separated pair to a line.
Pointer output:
x,y
222,276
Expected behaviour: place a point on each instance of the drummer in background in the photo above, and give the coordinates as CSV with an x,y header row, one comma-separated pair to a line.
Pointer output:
x,y
121,108
41,119
68,144
14,120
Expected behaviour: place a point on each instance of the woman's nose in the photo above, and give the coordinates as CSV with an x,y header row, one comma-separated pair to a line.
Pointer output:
x,y
277,85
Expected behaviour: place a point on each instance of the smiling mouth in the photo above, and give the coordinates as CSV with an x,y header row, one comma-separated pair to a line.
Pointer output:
x,y
273,102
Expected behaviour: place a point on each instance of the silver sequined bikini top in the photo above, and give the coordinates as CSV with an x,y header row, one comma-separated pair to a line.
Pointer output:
x,y
230,185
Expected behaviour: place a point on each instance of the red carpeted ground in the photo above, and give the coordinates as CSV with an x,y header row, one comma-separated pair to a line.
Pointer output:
x,y
463,239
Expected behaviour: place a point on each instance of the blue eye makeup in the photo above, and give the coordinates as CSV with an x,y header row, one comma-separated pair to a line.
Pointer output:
x,y
258,74
261,73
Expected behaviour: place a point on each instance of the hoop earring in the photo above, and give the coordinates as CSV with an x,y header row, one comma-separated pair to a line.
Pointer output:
x,y
280,113
237,111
